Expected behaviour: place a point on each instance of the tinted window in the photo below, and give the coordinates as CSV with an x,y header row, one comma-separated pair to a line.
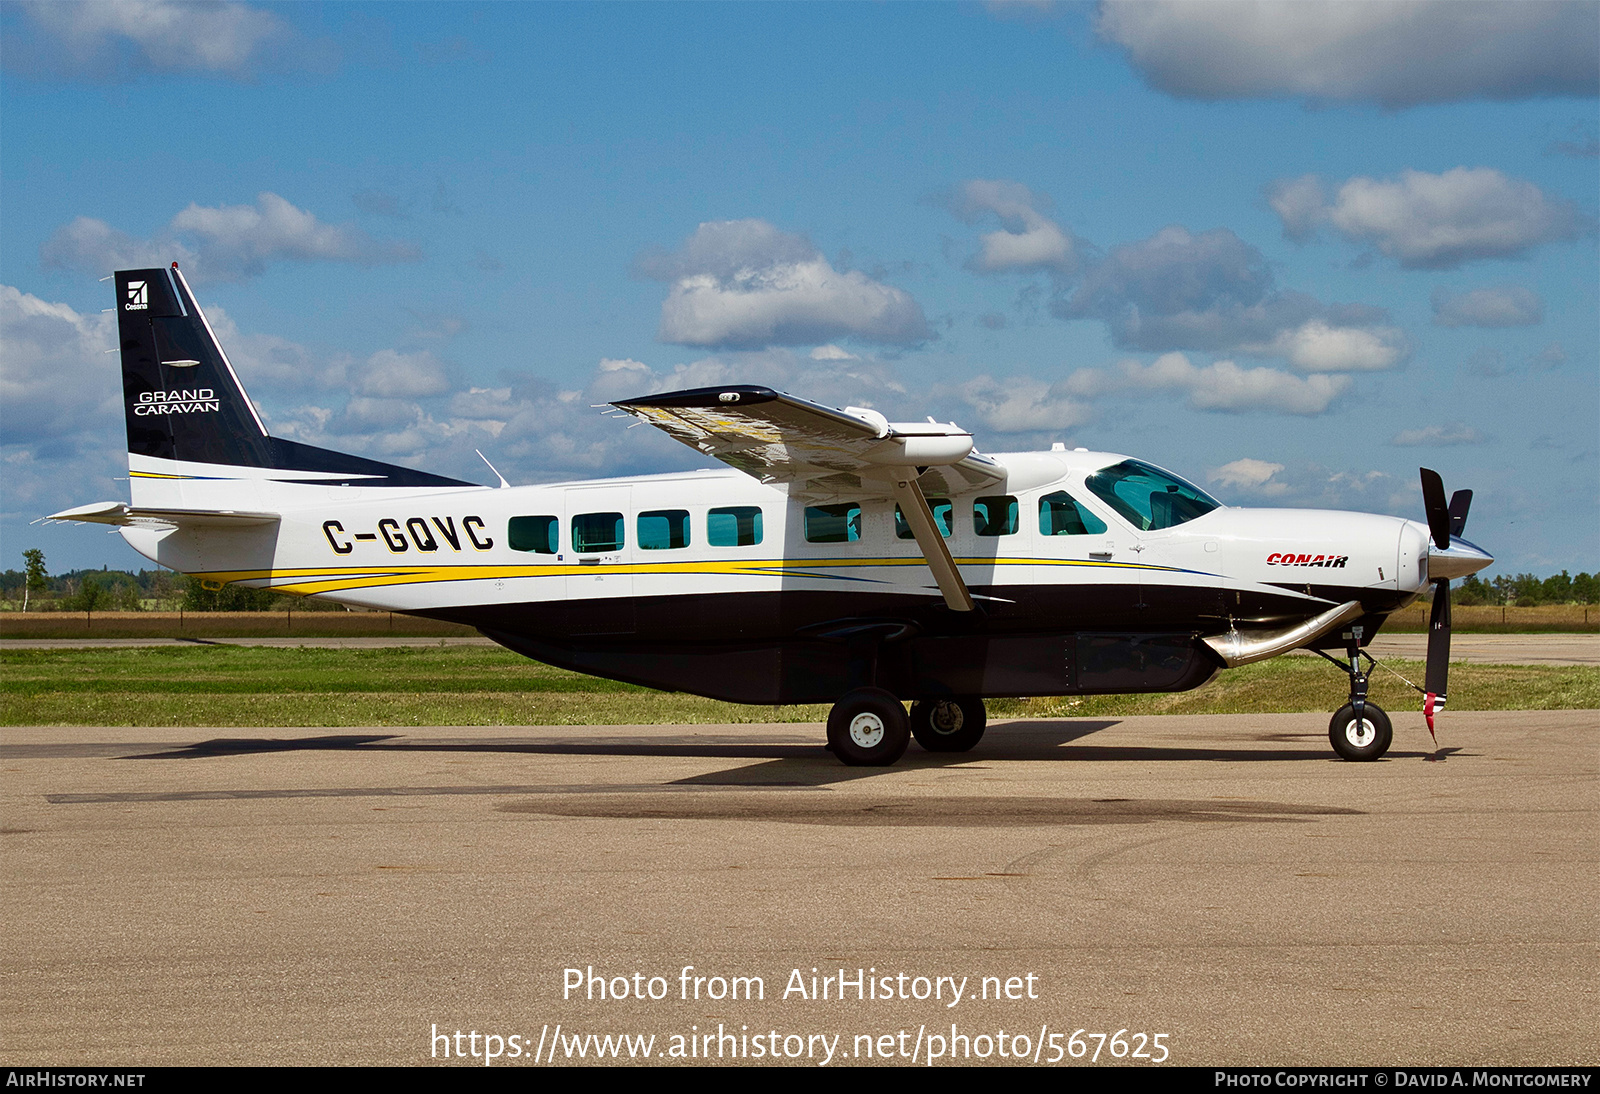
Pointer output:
x,y
734,526
663,529
833,523
995,516
596,532
538,534
1059,515
1148,497
942,513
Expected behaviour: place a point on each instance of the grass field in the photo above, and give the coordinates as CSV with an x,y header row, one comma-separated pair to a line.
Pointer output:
x,y
473,685
317,624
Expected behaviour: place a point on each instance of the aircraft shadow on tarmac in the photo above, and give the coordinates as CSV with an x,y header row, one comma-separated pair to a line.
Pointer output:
x,y
789,763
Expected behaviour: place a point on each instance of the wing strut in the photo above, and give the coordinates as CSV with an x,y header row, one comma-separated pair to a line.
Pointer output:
x,y
914,507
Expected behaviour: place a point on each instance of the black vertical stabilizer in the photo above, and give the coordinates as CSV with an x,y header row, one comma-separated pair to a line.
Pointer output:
x,y
182,399
184,402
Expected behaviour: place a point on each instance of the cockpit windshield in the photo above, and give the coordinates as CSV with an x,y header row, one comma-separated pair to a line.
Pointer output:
x,y
1148,497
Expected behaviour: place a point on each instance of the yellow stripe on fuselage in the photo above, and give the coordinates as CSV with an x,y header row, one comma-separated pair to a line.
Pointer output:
x,y
306,581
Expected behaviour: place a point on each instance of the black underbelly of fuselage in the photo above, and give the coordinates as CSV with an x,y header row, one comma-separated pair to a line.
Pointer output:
x,y
812,646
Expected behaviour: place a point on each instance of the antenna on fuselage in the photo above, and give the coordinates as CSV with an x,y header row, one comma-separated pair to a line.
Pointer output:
x,y
504,485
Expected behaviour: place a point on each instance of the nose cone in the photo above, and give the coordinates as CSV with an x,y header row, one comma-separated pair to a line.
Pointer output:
x,y
1460,560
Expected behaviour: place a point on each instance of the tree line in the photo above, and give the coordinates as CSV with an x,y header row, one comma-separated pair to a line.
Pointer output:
x,y
1527,591
107,590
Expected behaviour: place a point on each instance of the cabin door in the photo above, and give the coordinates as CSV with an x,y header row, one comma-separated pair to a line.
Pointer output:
x,y
599,523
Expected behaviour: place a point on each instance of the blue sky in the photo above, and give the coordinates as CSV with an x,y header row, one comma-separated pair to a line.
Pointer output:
x,y
1290,251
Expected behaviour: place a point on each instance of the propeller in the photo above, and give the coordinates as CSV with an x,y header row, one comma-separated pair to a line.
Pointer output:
x,y
1444,522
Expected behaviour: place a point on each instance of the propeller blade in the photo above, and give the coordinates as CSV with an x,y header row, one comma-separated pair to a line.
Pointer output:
x,y
1460,502
1439,642
1438,512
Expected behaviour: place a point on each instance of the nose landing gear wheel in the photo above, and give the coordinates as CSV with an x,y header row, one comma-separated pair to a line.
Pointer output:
x,y
1361,739
868,728
948,725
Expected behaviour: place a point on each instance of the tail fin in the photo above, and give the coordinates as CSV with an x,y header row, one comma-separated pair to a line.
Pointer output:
x,y
182,398
185,404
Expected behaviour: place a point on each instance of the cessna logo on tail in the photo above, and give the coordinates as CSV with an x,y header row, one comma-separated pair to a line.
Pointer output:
x,y
200,400
1335,562
138,296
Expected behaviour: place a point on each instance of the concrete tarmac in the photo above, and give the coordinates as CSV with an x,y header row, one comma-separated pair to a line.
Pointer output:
x,y
177,896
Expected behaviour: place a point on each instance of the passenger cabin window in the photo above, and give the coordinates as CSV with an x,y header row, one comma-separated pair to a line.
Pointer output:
x,y
595,533
943,513
1059,515
1148,497
541,535
663,529
833,523
734,526
995,516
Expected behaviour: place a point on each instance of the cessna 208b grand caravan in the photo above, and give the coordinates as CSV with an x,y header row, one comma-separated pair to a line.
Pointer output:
x,y
842,558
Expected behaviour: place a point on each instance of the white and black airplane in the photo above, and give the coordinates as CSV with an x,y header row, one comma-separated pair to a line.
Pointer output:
x,y
841,558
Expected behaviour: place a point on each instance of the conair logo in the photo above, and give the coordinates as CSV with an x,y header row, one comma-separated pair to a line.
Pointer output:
x,y
138,296
1335,562
200,400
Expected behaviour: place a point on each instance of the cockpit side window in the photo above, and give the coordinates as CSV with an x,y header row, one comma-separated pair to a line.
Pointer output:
x,y
1060,515
1148,497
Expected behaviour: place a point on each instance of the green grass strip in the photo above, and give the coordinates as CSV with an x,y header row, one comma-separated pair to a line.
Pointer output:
x,y
471,685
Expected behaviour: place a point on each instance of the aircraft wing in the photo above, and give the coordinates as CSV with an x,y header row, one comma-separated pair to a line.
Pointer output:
x,y
822,453
121,514
818,451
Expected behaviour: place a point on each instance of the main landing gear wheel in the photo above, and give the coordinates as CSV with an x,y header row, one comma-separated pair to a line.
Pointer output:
x,y
948,725
868,728
1364,738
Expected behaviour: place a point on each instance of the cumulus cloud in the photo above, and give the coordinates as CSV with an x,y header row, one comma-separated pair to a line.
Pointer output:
x,y
122,39
1026,240
221,243
1396,54
1438,436
1502,306
57,379
1318,346
390,374
1432,222
1250,476
1220,386
1300,205
1022,404
744,284
1212,291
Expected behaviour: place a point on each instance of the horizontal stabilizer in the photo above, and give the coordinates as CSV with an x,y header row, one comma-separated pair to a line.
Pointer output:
x,y
122,515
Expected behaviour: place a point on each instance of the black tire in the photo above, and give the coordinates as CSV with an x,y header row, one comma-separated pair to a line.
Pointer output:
x,y
1360,741
868,728
948,725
